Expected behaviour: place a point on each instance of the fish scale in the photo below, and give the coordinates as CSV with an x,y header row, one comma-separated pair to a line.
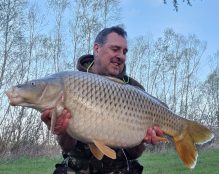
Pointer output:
x,y
108,113
114,90
104,116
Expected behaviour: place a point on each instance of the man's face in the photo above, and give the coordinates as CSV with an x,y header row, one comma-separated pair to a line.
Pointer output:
x,y
109,58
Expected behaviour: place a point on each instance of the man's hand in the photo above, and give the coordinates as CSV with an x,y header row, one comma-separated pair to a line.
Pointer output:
x,y
61,122
66,142
154,135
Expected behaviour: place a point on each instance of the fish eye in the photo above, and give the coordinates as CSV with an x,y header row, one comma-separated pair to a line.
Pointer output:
x,y
33,83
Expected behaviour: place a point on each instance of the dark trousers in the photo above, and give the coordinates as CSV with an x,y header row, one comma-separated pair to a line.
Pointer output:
x,y
132,167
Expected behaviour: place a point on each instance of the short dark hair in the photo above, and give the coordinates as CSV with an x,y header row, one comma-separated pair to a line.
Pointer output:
x,y
102,35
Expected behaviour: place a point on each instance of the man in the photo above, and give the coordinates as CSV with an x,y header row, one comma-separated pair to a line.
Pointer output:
x,y
110,48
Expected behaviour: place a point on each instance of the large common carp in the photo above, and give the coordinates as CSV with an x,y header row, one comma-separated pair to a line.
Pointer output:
x,y
108,113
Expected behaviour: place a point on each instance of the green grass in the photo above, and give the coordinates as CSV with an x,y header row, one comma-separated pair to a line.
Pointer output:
x,y
154,163
24,165
170,163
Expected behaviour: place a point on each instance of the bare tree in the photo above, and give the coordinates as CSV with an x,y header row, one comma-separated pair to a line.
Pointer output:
x,y
23,48
89,17
168,68
138,49
11,51
211,92
111,11
191,60
169,50
59,7
176,5
10,26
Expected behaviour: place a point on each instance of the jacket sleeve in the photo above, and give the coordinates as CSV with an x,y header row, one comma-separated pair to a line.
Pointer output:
x,y
66,142
135,152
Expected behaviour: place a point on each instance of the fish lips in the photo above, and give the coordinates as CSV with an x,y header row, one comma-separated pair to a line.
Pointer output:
x,y
14,98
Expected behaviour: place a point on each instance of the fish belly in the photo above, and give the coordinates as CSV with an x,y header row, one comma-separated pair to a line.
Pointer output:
x,y
109,128
105,111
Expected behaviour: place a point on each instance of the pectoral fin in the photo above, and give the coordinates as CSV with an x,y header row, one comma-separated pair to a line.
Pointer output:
x,y
57,111
105,149
95,151
53,121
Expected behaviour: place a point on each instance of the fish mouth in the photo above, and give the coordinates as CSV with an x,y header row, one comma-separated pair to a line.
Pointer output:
x,y
13,97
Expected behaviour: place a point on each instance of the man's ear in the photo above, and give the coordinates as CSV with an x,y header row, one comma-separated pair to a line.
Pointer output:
x,y
96,48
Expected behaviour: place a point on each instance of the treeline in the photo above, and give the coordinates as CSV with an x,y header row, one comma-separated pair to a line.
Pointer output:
x,y
169,69
49,36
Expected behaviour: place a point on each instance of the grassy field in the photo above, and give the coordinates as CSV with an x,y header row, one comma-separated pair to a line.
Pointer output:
x,y
169,163
29,166
154,163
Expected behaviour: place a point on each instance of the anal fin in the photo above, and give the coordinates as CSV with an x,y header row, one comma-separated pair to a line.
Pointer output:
x,y
95,151
105,149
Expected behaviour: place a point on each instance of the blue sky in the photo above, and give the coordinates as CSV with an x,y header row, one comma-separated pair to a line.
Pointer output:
x,y
143,17
152,16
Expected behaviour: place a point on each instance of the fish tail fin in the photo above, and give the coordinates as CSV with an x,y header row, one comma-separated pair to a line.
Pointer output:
x,y
194,133
199,133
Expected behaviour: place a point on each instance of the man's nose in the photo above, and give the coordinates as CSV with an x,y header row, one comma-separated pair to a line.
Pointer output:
x,y
121,56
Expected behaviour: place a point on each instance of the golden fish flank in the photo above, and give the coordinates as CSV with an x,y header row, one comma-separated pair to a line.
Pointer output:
x,y
109,113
